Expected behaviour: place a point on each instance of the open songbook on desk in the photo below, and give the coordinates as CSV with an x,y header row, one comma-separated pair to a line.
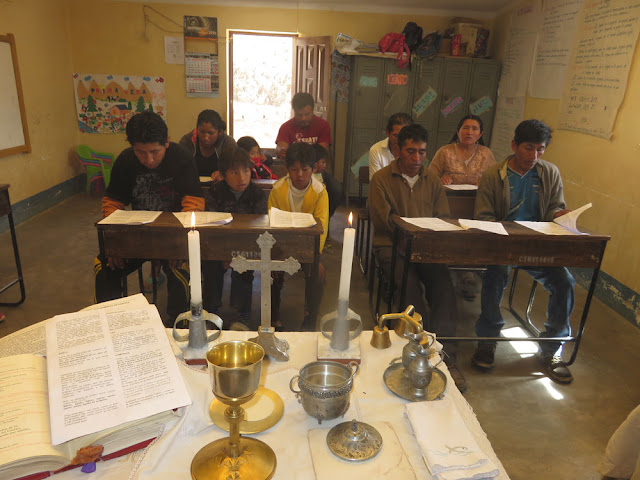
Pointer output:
x,y
110,379
284,219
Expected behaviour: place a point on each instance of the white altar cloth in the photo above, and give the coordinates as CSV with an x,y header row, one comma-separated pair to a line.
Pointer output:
x,y
170,455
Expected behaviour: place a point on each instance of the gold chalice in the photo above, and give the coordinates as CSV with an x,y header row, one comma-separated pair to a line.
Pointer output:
x,y
234,369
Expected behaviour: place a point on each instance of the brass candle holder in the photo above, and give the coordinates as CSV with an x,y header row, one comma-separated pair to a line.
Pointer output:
x,y
234,369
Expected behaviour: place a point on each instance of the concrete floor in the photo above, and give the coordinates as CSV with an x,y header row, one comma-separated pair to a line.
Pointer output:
x,y
539,430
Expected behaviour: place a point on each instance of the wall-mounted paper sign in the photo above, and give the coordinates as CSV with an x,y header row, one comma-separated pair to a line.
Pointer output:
x,y
397,79
368,81
424,102
481,105
455,103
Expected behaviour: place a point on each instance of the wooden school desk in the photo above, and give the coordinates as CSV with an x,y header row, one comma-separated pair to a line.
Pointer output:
x,y
5,209
166,239
522,247
461,202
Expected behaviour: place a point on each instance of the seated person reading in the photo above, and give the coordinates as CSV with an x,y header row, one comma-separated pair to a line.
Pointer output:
x,y
304,127
385,151
208,144
407,188
334,189
153,174
261,161
465,158
234,194
300,192
525,187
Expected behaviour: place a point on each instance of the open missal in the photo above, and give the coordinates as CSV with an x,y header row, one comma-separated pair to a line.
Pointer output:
x,y
110,379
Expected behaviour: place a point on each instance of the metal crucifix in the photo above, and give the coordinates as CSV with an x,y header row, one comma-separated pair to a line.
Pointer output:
x,y
273,347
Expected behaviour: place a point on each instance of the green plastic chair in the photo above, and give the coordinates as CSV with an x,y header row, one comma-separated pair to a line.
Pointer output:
x,y
98,166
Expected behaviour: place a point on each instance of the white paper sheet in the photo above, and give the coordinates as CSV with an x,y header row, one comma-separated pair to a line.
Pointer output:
x,y
130,217
107,368
431,223
548,228
280,218
174,50
509,113
569,220
204,218
462,186
491,227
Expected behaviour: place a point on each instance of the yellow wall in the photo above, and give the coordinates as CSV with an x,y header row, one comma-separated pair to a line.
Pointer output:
x,y
603,172
108,37
58,38
42,36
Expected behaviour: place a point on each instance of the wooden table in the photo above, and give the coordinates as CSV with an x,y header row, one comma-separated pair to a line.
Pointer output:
x,y
522,247
5,209
166,239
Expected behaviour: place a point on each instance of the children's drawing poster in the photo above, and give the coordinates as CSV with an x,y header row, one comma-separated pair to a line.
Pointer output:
x,y
105,103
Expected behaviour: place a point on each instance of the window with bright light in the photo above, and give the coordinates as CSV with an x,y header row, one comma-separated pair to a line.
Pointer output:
x,y
261,80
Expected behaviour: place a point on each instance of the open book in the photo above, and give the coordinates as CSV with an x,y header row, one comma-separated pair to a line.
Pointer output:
x,y
110,379
282,218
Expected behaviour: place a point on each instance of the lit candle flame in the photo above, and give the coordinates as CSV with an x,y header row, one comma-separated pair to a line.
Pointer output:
x,y
350,219
193,220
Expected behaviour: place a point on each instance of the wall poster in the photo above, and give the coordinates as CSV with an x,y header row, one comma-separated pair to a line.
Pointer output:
x,y
599,68
554,48
105,103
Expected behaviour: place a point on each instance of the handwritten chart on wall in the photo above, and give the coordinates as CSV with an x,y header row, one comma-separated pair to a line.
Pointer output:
x,y
599,67
553,50
14,137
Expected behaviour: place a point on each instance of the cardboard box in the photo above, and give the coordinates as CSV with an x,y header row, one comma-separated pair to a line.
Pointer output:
x,y
474,38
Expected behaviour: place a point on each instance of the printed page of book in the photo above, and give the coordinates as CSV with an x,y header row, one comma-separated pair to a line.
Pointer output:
x,y
548,228
569,220
283,219
130,217
24,417
31,339
106,368
204,218
491,227
431,223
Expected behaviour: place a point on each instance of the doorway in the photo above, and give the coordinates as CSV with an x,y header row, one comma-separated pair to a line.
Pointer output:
x,y
260,71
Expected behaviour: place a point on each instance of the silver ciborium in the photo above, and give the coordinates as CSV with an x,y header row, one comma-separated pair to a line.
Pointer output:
x,y
234,369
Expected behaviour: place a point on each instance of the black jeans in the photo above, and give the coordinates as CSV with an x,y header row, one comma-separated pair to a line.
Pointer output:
x,y
108,285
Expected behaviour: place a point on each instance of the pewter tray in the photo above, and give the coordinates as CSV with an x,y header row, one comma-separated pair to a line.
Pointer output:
x,y
400,385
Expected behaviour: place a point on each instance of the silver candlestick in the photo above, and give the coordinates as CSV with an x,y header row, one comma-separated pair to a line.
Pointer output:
x,y
198,340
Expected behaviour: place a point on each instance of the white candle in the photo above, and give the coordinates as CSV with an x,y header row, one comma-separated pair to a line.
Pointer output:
x,y
194,262
345,272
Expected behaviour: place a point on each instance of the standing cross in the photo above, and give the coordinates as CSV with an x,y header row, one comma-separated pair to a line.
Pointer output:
x,y
273,347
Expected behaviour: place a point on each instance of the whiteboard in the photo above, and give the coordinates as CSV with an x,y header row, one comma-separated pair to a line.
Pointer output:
x,y
14,137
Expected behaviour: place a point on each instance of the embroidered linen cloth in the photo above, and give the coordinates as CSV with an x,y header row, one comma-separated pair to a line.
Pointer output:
x,y
448,448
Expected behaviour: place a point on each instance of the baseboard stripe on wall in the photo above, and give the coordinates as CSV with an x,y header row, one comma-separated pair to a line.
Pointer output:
x,y
612,293
38,203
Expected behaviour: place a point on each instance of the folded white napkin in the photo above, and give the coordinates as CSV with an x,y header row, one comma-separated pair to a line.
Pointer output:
x,y
448,448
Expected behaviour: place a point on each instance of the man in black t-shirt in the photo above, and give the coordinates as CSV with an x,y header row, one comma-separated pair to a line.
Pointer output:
x,y
153,174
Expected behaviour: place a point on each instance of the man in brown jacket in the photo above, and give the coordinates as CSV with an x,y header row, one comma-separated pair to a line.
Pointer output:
x,y
407,188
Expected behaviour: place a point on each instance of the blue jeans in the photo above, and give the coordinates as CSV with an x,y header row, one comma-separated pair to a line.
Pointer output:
x,y
555,280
